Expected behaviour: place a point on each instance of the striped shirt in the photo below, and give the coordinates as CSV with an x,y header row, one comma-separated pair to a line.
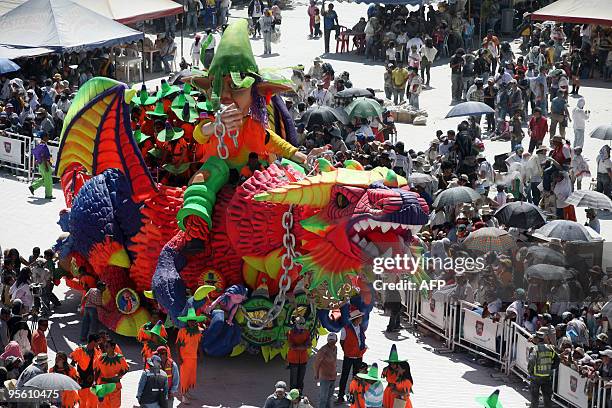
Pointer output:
x,y
93,298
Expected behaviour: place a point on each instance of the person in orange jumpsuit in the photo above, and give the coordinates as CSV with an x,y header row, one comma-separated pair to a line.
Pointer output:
x,y
188,343
358,387
84,357
149,336
103,339
69,398
110,367
390,373
403,386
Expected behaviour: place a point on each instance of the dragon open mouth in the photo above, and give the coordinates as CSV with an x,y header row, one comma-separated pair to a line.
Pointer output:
x,y
372,238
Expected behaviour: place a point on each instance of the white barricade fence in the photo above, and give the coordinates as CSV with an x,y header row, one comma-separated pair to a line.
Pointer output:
x,y
410,300
571,388
602,397
483,336
15,152
519,351
436,312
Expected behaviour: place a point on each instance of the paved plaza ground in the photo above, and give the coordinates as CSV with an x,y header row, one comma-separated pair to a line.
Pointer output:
x,y
441,380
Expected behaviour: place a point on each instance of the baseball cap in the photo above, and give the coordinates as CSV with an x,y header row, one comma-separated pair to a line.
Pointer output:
x,y
332,337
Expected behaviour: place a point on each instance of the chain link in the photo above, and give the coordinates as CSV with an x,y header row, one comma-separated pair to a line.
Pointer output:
x,y
220,132
284,282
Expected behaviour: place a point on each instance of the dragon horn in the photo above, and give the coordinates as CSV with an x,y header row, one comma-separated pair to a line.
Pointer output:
x,y
353,164
325,165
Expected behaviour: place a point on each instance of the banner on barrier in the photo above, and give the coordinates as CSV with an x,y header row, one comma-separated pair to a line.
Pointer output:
x,y
10,150
54,151
432,309
572,387
523,346
479,331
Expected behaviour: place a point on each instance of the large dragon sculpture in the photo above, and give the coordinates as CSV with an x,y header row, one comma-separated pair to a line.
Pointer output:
x,y
122,228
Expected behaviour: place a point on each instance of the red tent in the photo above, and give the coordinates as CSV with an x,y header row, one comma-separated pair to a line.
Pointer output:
x,y
577,11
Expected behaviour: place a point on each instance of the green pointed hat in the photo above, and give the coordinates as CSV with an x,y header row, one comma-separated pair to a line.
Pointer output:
x,y
102,390
186,113
492,401
180,100
191,315
156,331
143,98
372,374
159,110
188,90
205,106
167,90
180,169
170,133
139,136
393,356
233,56
155,152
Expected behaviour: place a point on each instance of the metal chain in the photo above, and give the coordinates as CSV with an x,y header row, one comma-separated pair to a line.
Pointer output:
x,y
220,132
284,283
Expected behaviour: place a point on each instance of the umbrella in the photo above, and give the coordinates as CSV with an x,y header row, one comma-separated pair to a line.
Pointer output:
x,y
364,108
53,381
567,231
543,255
489,239
6,66
469,109
603,132
520,214
353,93
420,178
548,272
456,195
323,115
590,199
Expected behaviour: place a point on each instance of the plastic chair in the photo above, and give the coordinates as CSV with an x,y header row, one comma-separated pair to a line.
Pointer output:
x,y
342,42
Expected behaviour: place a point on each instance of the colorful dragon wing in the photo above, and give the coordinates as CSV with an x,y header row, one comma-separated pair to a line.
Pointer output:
x,y
97,136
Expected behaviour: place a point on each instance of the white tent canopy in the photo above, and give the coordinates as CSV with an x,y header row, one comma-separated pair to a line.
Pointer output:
x,y
61,26
577,11
132,11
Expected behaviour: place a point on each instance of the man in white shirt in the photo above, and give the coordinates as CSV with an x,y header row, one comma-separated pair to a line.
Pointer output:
x,y
322,96
415,41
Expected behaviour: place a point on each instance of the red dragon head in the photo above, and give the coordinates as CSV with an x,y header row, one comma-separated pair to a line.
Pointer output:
x,y
359,215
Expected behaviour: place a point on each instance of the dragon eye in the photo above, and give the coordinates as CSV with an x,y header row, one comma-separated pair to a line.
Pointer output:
x,y
342,201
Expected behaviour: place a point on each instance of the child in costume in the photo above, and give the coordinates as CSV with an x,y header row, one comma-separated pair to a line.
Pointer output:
x,y
155,338
358,387
42,156
373,396
85,357
188,343
391,374
69,398
109,368
492,401
403,385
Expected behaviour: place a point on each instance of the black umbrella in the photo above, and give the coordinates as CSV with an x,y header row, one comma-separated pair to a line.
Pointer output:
x,y
544,255
520,214
549,273
354,93
322,116
456,195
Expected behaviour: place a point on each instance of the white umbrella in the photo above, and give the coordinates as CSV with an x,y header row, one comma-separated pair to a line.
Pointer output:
x,y
53,381
567,231
590,199
420,178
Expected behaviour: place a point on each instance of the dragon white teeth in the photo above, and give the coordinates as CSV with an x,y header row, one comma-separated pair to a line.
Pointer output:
x,y
395,225
357,227
363,243
373,224
355,238
364,224
415,228
385,227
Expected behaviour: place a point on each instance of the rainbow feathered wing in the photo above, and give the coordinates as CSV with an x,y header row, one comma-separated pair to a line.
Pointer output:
x,y
97,136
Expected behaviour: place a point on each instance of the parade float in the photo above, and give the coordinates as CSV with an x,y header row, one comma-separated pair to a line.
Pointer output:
x,y
251,254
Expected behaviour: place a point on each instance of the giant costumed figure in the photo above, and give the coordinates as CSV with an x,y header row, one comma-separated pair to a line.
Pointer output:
x,y
253,256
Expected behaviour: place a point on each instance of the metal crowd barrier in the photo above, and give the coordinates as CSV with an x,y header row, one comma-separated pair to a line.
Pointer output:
x,y
15,152
504,343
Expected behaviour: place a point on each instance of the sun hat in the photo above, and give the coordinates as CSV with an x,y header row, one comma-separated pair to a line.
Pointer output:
x,y
181,99
355,314
139,136
603,337
492,401
40,359
332,337
280,385
191,315
393,356
372,373
607,353
186,113
170,133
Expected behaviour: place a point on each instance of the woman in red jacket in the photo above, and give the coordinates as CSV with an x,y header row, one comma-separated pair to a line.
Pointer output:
x,y
297,357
